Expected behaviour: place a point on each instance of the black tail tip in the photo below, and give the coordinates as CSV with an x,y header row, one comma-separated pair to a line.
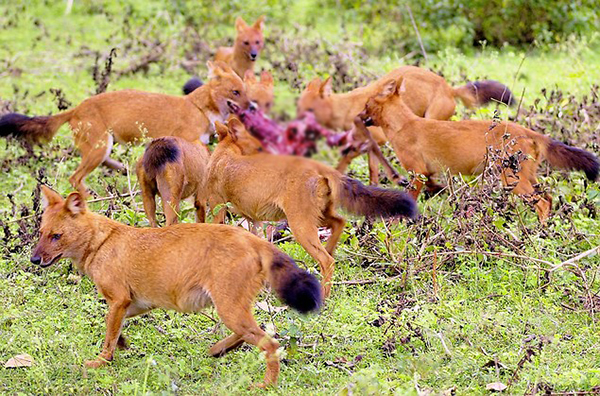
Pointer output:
x,y
373,201
592,172
407,206
302,292
491,90
399,204
11,124
191,85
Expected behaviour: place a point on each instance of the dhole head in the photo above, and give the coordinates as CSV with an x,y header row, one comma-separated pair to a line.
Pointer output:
x,y
260,92
227,88
372,115
316,99
250,38
63,228
235,134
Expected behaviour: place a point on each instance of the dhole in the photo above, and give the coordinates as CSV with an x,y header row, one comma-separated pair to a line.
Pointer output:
x,y
260,91
129,116
185,267
428,146
305,192
248,44
242,56
427,95
175,169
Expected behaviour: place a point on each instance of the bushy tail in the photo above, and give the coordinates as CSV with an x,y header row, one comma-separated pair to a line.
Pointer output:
x,y
478,93
294,286
566,157
158,154
191,85
32,129
371,201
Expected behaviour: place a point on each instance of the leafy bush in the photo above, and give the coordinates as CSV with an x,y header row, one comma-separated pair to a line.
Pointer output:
x,y
464,23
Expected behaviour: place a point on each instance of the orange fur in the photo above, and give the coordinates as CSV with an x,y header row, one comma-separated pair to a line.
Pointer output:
x,y
175,169
260,92
427,95
265,187
129,116
428,146
184,267
248,44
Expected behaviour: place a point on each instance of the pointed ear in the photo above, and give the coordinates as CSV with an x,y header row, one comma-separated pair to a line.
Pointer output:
x,y
402,85
314,85
240,24
50,197
217,69
224,67
212,70
75,203
221,129
260,23
388,88
326,90
249,77
266,78
236,128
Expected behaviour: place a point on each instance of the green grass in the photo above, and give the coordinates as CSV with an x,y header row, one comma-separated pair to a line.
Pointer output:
x,y
411,328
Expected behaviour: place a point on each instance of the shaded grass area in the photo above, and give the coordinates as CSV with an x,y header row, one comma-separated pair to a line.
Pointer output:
x,y
428,307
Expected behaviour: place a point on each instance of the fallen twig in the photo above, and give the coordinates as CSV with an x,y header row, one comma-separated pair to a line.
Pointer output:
x,y
575,259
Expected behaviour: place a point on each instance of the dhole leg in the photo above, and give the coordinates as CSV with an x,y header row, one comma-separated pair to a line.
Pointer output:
x,y
218,218
411,161
114,320
170,194
432,187
346,160
149,201
148,197
373,169
307,235
113,164
226,345
390,172
336,224
417,187
525,189
238,318
200,206
92,155
132,311
543,207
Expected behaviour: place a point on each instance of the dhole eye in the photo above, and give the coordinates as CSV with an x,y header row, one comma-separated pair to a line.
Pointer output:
x,y
235,93
257,42
246,42
55,237
311,110
260,150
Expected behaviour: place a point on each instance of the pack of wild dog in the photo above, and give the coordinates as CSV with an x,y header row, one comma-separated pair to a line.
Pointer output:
x,y
187,267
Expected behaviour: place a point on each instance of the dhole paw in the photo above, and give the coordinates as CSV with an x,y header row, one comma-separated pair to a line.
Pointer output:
x,y
260,385
326,291
96,363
